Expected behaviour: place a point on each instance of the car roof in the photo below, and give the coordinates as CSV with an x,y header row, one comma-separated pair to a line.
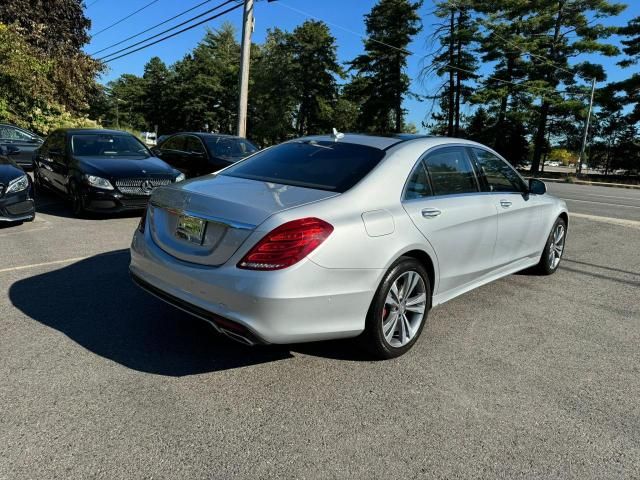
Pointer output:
x,y
385,142
81,131
206,134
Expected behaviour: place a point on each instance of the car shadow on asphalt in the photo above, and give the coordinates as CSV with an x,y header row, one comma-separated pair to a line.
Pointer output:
x,y
95,303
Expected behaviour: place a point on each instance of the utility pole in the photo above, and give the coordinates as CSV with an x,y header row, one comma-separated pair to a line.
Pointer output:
x,y
586,128
247,29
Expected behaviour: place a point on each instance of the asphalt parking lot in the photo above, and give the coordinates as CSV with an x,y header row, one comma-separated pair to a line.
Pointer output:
x,y
528,377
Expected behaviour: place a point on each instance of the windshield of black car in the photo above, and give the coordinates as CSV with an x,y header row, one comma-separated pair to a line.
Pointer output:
x,y
322,165
108,145
230,147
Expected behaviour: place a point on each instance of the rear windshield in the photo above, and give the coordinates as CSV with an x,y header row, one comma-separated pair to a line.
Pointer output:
x,y
107,145
324,165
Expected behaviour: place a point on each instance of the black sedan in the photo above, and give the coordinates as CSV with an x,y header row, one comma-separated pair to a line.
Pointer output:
x,y
197,154
100,170
16,191
20,143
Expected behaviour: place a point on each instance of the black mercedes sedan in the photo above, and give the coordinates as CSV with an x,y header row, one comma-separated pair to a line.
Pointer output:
x,y
196,153
100,170
16,191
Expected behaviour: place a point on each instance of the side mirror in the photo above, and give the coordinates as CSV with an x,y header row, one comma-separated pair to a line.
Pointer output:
x,y
537,187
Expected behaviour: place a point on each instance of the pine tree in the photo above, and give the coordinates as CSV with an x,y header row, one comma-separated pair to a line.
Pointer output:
x,y
380,83
561,30
156,76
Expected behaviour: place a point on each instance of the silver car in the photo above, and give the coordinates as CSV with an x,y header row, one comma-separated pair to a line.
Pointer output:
x,y
341,236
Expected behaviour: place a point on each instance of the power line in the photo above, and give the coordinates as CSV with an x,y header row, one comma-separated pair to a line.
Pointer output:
x,y
168,29
93,3
124,18
150,28
409,52
175,33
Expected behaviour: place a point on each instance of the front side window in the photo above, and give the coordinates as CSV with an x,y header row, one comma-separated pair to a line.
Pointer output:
x,y
451,172
500,176
418,183
322,165
108,145
11,133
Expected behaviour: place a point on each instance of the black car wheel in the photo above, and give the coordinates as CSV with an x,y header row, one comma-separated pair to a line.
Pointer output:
x,y
399,309
77,202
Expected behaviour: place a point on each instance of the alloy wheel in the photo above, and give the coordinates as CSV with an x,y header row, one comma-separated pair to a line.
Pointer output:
x,y
404,309
556,245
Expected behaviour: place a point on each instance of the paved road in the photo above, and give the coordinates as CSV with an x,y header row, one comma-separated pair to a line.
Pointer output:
x,y
621,203
529,377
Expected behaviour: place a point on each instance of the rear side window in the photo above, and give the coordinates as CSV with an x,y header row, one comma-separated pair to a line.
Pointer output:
x,y
324,165
500,176
174,143
194,145
451,172
418,183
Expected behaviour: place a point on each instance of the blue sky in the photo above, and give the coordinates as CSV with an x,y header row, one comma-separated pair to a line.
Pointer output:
x,y
345,18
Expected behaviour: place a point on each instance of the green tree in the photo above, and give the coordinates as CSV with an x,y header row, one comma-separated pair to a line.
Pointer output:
x,y
57,30
315,68
28,96
156,78
455,59
560,31
127,102
380,82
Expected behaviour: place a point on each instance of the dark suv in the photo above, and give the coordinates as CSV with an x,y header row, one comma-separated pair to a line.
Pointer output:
x,y
100,170
196,154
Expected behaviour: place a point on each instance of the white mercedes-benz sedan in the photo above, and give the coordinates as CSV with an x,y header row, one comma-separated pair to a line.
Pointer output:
x,y
342,236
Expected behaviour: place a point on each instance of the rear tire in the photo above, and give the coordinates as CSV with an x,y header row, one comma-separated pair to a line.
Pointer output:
x,y
399,310
553,249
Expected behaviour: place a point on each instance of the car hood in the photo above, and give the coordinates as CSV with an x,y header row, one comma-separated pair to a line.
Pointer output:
x,y
9,170
119,167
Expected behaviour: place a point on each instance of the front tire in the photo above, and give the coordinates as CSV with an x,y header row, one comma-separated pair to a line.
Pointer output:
x,y
399,310
554,248
77,202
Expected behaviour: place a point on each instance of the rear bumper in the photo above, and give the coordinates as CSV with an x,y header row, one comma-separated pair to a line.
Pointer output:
x,y
303,303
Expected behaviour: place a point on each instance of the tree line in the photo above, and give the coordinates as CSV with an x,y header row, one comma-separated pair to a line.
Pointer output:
x,y
513,74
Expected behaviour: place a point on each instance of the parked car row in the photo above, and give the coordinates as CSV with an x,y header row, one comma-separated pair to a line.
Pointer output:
x,y
113,171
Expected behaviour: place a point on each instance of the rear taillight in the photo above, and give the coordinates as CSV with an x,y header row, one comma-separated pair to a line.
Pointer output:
x,y
143,220
287,244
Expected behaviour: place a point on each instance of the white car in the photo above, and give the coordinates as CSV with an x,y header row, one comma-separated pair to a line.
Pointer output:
x,y
345,235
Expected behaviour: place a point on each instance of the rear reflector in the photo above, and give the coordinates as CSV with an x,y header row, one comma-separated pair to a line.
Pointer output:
x,y
287,244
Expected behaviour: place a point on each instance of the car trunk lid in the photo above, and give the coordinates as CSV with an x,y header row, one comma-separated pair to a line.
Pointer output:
x,y
205,220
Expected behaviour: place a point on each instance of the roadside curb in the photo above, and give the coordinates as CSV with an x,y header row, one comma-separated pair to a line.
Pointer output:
x,y
587,182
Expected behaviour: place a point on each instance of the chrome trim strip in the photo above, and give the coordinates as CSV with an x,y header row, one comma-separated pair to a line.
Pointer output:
x,y
18,219
204,216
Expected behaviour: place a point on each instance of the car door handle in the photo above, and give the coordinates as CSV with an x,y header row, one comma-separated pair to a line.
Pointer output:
x,y
505,203
430,212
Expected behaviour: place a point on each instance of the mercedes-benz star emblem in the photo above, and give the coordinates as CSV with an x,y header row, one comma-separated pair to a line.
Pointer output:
x,y
146,186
